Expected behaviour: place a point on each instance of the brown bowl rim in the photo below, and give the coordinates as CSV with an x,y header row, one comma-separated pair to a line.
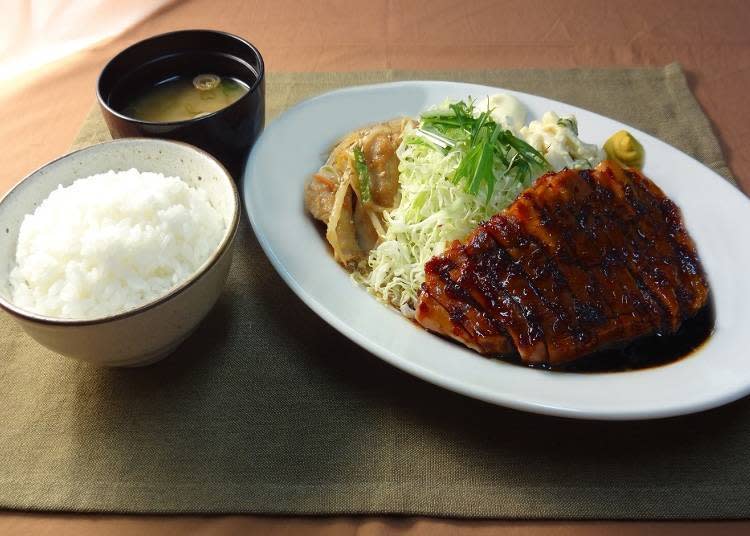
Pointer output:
x,y
226,241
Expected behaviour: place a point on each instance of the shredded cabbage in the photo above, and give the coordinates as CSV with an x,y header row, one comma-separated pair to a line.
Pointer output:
x,y
432,212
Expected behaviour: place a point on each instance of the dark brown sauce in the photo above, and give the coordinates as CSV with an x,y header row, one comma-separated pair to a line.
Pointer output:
x,y
646,352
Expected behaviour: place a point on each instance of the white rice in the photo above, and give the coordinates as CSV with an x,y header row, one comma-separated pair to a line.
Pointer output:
x,y
111,242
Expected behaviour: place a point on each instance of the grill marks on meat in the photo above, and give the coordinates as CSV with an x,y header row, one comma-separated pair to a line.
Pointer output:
x,y
581,261
499,286
546,281
458,299
684,262
590,236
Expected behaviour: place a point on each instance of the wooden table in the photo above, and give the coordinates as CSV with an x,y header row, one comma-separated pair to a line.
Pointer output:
x,y
43,111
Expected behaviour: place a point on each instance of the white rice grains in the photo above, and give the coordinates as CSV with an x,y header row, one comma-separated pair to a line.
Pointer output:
x,y
111,242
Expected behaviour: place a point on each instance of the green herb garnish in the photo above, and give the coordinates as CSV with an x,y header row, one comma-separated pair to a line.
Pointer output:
x,y
486,147
363,173
229,86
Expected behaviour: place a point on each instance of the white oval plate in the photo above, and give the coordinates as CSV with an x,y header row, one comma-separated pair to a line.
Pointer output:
x,y
716,214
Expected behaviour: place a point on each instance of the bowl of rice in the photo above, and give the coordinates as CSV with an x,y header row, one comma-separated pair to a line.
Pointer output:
x,y
113,254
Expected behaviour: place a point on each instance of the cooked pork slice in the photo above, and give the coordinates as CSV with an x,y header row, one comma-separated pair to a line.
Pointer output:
x,y
379,148
461,306
559,300
353,216
462,321
578,219
581,261
642,191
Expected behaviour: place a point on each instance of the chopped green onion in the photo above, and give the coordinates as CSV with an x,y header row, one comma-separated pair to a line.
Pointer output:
x,y
484,142
228,86
205,82
363,173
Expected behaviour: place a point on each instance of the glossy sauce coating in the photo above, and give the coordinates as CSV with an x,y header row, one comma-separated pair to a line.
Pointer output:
x,y
581,262
647,352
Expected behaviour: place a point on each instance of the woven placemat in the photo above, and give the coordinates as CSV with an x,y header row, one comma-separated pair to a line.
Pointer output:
x,y
266,409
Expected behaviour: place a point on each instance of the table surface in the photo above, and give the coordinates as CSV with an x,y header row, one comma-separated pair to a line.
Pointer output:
x,y
709,39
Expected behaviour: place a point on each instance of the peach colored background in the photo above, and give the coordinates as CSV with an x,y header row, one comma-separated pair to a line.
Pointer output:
x,y
42,111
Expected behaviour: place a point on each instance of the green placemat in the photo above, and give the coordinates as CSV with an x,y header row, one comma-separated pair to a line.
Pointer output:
x,y
266,409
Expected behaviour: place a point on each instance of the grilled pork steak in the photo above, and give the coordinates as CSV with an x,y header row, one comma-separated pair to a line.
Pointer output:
x,y
581,261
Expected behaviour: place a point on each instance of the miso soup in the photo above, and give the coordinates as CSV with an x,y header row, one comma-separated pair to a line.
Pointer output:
x,y
181,98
